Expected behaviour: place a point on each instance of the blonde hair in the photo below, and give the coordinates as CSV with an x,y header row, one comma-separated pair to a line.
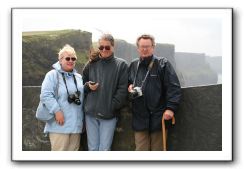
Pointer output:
x,y
66,49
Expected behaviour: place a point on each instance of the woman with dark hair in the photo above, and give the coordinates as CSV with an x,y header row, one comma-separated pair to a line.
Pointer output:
x,y
106,79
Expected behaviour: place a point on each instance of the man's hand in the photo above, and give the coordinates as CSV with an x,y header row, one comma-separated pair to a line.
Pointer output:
x,y
130,88
168,114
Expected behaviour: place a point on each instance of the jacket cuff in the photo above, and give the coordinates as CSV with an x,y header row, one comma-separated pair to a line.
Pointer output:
x,y
55,109
172,107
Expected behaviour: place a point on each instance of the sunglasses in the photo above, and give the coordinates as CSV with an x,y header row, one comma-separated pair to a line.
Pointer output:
x,y
102,47
68,59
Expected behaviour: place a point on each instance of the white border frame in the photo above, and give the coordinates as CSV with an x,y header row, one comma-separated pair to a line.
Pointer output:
x,y
18,17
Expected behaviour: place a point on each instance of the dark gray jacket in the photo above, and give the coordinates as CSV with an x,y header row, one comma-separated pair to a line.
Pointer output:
x,y
112,75
161,91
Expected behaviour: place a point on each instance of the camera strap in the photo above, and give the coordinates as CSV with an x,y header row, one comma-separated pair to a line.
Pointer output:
x,y
66,84
148,70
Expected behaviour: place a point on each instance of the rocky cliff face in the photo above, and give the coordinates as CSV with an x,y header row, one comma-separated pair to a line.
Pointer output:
x,y
129,52
195,70
192,69
40,51
125,50
215,63
167,51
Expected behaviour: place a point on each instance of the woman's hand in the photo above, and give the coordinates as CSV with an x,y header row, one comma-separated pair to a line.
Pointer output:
x,y
59,117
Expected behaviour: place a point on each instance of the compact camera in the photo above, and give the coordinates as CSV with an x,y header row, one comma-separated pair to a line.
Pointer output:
x,y
135,92
74,98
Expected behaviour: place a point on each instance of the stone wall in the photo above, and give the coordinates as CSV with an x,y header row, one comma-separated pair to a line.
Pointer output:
x,y
198,123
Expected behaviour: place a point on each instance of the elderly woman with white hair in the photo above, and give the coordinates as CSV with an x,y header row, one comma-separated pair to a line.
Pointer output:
x,y
62,94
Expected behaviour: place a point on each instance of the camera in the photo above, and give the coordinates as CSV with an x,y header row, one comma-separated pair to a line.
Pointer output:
x,y
136,92
74,98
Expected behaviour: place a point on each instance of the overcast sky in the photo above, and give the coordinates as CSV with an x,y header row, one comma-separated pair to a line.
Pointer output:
x,y
190,30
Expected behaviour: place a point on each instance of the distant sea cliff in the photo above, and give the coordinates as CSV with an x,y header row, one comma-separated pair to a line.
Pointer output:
x,y
40,50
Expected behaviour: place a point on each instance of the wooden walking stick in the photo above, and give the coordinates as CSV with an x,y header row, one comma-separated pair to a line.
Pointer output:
x,y
164,132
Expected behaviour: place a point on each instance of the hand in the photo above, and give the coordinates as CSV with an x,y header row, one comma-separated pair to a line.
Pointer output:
x,y
93,87
59,117
168,114
130,88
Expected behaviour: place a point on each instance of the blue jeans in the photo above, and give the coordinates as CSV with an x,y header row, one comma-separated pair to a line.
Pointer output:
x,y
100,133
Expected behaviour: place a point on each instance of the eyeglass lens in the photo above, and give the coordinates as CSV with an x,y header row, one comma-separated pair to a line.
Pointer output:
x,y
68,59
102,47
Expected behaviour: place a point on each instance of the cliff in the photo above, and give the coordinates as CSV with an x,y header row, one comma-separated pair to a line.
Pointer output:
x,y
215,63
129,52
195,69
40,51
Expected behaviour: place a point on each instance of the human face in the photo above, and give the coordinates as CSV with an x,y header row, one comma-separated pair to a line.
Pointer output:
x,y
145,48
68,61
105,45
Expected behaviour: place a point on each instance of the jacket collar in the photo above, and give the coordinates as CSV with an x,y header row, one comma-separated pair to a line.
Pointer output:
x,y
58,67
107,58
146,61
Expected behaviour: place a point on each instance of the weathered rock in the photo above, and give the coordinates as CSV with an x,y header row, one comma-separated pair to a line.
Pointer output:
x,y
194,69
40,51
215,63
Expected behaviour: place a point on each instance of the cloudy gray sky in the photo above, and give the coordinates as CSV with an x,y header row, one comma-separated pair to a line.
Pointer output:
x,y
190,30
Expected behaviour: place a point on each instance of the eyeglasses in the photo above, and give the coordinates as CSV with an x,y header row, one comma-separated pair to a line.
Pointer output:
x,y
102,47
144,47
68,59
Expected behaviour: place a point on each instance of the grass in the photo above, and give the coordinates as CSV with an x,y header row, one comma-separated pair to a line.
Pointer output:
x,y
46,32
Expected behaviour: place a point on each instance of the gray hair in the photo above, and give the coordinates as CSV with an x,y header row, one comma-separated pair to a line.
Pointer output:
x,y
146,36
107,37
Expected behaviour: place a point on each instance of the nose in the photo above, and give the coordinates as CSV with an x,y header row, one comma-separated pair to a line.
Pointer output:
x,y
145,48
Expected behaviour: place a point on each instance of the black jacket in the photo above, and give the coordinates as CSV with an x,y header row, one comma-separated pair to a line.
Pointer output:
x,y
161,91
112,75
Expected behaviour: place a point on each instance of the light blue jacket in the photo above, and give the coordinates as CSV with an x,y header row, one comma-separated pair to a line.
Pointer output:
x,y
73,113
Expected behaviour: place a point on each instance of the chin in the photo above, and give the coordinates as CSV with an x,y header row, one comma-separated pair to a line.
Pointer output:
x,y
104,56
70,69
144,56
